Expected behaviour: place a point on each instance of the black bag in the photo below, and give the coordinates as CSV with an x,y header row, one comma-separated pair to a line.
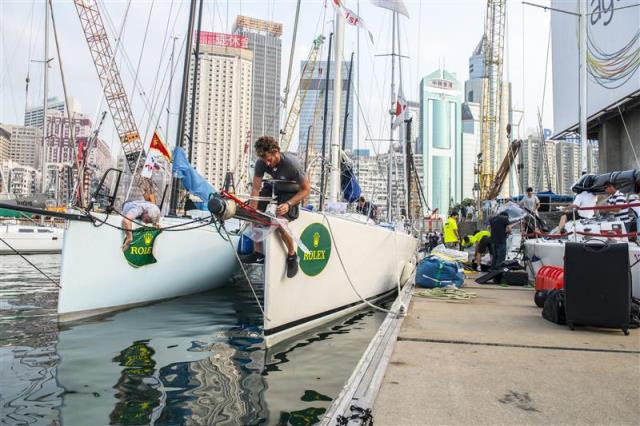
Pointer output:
x,y
634,321
554,307
597,284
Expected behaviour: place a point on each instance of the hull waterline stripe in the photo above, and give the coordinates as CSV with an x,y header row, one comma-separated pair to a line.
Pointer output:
x,y
292,324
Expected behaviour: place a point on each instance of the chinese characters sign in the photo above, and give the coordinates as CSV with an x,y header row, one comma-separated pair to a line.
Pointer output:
x,y
224,40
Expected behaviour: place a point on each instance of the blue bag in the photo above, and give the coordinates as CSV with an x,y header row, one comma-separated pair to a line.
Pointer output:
x,y
434,272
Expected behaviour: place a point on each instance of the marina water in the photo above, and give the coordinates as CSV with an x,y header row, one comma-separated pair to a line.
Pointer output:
x,y
196,359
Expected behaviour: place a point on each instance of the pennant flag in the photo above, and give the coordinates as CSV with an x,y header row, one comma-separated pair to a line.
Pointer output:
x,y
399,110
351,17
395,5
156,143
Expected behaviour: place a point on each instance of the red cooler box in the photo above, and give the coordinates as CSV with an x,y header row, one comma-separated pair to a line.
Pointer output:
x,y
550,278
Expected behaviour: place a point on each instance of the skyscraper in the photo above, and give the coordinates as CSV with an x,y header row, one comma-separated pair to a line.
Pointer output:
x,y
266,45
5,142
311,113
473,92
33,116
222,121
538,160
440,134
26,145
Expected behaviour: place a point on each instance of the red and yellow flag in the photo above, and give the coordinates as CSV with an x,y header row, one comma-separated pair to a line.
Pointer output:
x,y
158,145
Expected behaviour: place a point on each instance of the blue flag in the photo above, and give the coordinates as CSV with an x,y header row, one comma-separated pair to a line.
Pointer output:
x,y
191,179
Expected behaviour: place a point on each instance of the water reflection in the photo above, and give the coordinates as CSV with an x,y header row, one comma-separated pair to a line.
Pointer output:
x,y
193,360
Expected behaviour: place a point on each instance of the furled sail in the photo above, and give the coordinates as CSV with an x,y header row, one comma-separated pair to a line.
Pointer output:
x,y
192,181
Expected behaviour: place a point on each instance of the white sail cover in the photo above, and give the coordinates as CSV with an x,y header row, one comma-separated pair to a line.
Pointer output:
x,y
395,5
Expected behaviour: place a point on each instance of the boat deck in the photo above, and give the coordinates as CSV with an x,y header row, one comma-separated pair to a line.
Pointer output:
x,y
495,360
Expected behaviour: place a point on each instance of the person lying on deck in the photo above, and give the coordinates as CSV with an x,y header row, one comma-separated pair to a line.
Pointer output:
x,y
142,210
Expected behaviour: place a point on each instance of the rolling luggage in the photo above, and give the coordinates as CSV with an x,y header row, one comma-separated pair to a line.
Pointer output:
x,y
597,285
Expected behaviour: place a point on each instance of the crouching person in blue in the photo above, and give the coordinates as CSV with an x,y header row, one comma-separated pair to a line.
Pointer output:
x,y
290,185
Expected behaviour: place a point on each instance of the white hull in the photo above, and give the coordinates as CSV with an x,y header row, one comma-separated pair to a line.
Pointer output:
x,y
373,257
551,253
30,239
96,278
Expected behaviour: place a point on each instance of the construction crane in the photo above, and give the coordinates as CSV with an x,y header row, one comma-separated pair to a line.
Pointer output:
x,y
503,171
294,113
493,40
112,86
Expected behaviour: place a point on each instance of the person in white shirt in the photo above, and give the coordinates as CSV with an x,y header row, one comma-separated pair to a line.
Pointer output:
x,y
634,211
530,201
582,199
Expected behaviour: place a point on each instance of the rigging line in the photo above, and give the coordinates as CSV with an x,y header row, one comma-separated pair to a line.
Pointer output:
x,y
30,263
70,114
155,89
156,94
144,42
126,59
118,41
629,137
346,273
244,271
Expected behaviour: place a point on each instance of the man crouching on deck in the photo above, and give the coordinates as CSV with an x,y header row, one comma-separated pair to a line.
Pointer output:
x,y
282,167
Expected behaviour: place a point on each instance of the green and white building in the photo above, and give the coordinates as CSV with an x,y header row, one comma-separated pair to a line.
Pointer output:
x,y
440,129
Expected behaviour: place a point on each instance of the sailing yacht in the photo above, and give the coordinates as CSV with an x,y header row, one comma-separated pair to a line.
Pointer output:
x,y
346,262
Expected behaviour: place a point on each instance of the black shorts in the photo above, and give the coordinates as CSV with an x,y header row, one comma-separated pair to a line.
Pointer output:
x,y
282,197
484,245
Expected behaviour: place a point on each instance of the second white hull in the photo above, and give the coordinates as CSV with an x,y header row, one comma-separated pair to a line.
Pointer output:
x,y
96,278
30,239
551,253
365,262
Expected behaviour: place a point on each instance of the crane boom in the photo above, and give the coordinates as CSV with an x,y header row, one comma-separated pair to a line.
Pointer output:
x,y
294,113
491,93
503,170
109,76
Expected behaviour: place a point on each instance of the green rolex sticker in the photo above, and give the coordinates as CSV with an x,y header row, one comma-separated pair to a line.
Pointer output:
x,y
140,252
317,239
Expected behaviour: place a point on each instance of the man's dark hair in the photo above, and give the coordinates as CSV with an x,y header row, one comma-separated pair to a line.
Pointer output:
x,y
361,199
265,145
609,183
454,213
504,213
529,189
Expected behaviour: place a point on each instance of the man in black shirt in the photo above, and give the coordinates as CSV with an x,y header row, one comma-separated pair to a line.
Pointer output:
x,y
499,229
282,167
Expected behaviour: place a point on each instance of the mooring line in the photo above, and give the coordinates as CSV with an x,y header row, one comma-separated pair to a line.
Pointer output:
x,y
30,263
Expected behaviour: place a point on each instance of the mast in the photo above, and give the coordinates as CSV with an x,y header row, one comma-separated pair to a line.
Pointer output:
x,y
324,123
173,51
45,103
402,132
194,83
393,99
334,176
346,106
183,102
582,19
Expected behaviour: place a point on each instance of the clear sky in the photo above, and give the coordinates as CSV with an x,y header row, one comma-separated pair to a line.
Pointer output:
x,y
443,32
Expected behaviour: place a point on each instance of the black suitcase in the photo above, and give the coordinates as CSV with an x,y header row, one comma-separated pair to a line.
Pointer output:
x,y
597,284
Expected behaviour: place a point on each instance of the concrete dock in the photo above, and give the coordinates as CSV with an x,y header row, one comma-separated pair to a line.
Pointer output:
x,y
495,360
